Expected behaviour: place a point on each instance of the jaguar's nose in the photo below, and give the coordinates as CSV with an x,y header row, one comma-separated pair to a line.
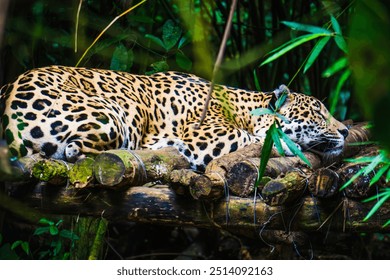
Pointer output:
x,y
344,132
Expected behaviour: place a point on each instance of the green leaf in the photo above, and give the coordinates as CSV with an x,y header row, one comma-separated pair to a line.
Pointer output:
x,y
280,101
16,244
375,197
265,154
388,176
41,230
377,160
277,143
53,230
293,147
156,40
183,61
336,93
122,59
184,40
262,111
315,52
306,27
1,238
256,80
377,205
379,174
336,25
171,34
341,43
360,159
23,244
46,222
26,247
386,224
282,118
353,178
59,222
278,52
335,67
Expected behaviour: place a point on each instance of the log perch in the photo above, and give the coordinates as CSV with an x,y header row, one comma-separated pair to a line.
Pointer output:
x,y
161,205
284,189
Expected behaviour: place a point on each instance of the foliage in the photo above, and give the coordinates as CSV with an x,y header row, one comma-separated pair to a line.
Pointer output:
x,y
323,36
53,246
380,166
275,135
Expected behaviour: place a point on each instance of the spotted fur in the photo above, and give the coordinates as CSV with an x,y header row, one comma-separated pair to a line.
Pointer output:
x,y
64,112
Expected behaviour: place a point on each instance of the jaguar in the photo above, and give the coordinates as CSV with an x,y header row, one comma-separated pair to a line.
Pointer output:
x,y
68,112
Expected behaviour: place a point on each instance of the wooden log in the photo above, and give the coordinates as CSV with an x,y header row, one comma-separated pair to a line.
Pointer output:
x,y
224,163
199,186
81,173
160,205
117,168
51,170
241,177
284,189
324,183
360,187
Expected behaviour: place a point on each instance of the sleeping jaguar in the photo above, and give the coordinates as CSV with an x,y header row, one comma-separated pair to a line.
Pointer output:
x,y
66,112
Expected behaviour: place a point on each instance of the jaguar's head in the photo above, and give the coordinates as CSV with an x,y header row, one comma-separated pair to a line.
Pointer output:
x,y
307,122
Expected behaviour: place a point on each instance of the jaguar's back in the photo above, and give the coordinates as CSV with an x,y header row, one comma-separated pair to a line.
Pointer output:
x,y
64,112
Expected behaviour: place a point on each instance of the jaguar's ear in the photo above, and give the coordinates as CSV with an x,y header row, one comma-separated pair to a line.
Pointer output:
x,y
279,97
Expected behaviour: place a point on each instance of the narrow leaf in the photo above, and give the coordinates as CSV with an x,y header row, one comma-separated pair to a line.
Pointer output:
x,y
388,176
262,111
377,160
386,224
335,97
375,197
335,67
281,100
336,25
306,27
315,52
277,143
283,118
183,41
341,43
293,147
376,206
265,154
291,45
379,174
360,159
256,79
353,178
